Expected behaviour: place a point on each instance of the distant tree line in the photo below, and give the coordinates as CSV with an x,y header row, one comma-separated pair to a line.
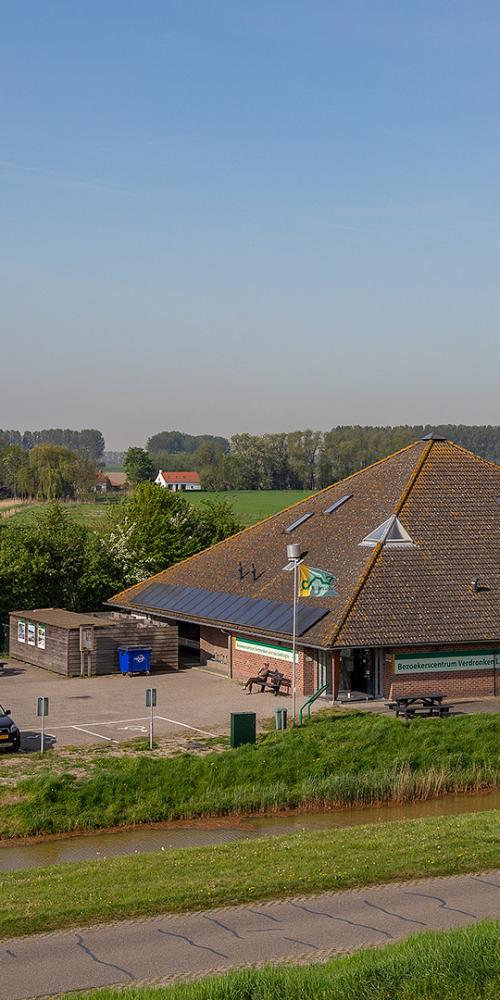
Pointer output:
x,y
46,472
89,443
299,459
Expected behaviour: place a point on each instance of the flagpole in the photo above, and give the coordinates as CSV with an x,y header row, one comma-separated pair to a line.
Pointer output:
x,y
294,642
294,556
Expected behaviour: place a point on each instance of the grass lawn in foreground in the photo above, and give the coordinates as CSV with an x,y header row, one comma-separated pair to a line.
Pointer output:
x,y
338,758
199,878
460,964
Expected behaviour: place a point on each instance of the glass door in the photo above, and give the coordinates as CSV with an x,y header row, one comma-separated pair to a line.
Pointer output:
x,y
325,672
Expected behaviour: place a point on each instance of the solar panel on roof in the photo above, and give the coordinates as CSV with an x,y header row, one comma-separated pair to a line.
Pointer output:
x,y
214,605
300,520
337,504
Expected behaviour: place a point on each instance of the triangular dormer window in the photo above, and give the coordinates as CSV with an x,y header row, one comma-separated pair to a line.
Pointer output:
x,y
389,533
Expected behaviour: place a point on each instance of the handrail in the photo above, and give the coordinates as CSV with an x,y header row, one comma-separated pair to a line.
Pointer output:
x,y
307,704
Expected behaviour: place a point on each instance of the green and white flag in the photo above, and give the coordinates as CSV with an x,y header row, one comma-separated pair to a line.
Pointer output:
x,y
316,582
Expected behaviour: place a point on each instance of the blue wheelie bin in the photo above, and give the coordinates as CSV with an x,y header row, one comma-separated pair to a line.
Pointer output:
x,y
135,659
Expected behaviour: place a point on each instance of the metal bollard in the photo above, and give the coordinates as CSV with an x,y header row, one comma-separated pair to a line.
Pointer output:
x,y
281,716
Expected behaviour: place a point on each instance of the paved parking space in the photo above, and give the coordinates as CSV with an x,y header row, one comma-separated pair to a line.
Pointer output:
x,y
111,709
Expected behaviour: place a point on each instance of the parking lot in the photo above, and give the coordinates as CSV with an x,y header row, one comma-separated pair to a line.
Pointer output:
x,y
191,703
111,709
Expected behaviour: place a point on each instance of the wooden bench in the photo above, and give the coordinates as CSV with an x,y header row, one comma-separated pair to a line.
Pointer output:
x,y
442,711
283,687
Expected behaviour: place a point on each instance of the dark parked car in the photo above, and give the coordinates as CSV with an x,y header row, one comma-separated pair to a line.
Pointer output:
x,y
10,737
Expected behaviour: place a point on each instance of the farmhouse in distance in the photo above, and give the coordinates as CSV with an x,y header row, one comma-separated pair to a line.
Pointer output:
x,y
178,481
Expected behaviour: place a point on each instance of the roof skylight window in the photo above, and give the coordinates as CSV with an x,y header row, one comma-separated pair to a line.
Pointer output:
x,y
300,520
389,533
337,504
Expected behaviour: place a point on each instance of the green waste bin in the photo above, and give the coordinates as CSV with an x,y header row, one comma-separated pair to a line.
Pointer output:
x,y
243,728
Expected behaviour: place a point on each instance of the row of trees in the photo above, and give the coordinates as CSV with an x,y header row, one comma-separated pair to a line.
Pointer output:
x,y
297,460
47,472
54,562
88,443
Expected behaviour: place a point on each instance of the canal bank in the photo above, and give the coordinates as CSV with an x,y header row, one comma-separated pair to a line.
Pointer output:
x,y
177,835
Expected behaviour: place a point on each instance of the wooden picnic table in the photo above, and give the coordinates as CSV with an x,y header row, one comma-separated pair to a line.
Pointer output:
x,y
409,704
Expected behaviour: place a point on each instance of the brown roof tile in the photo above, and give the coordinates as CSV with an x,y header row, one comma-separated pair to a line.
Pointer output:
x,y
444,496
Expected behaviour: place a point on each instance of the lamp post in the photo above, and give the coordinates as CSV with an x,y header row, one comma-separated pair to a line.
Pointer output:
x,y
293,556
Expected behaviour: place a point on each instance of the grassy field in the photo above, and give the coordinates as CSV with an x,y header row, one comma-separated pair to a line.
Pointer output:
x,y
83,513
42,899
253,505
337,759
461,964
249,506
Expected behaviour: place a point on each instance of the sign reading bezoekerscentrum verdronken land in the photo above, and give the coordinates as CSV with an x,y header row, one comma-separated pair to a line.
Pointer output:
x,y
427,663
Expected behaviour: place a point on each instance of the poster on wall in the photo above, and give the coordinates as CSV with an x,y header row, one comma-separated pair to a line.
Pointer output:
x,y
21,630
31,634
40,636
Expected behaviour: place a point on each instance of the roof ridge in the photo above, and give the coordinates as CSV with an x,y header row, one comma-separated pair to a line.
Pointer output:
x,y
268,517
378,548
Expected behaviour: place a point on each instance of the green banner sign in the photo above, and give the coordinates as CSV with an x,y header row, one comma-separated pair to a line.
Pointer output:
x,y
429,663
260,649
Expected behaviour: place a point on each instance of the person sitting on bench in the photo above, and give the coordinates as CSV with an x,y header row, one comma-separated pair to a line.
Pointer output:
x,y
260,679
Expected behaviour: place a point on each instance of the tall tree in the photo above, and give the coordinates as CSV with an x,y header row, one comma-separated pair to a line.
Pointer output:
x,y
138,466
55,470
154,528
53,562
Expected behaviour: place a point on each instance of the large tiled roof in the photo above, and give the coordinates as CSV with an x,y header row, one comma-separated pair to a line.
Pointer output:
x,y
445,499
179,477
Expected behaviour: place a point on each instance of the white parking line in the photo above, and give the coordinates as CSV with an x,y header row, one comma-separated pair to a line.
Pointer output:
x,y
90,733
184,725
97,722
117,722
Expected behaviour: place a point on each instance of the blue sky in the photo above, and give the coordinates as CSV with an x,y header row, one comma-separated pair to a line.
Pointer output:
x,y
226,216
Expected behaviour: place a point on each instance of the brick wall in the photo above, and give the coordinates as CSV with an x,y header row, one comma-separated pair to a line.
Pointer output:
x,y
454,683
214,645
247,664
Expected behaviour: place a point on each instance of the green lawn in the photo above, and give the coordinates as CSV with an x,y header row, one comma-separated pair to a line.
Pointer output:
x,y
88,514
249,505
253,505
42,899
460,964
338,758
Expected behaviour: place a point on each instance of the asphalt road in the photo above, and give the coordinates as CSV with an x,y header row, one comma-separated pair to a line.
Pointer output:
x,y
162,948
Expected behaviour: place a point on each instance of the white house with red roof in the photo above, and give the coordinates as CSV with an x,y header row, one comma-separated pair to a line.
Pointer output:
x,y
178,481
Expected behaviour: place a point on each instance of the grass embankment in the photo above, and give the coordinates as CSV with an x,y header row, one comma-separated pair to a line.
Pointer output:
x,y
42,899
438,965
340,759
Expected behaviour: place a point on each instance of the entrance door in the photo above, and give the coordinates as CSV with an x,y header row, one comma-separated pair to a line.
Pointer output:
x,y
325,672
361,673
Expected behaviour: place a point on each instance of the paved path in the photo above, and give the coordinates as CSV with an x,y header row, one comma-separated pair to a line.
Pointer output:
x,y
305,927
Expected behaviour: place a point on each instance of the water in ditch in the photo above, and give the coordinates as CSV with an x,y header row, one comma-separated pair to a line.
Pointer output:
x,y
199,833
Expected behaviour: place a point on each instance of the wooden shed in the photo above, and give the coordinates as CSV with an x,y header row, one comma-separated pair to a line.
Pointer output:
x,y
75,644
